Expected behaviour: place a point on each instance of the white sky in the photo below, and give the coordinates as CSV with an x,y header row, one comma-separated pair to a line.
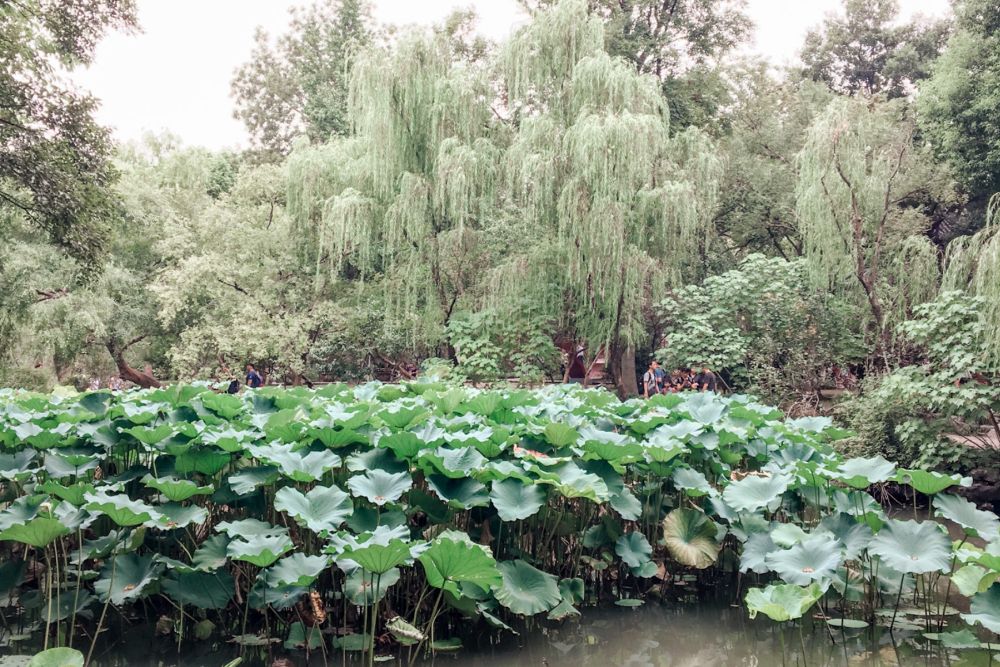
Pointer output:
x,y
175,74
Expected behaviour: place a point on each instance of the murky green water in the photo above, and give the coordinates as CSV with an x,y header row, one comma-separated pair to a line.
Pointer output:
x,y
702,635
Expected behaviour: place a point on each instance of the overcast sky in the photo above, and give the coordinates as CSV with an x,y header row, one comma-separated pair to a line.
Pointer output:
x,y
175,74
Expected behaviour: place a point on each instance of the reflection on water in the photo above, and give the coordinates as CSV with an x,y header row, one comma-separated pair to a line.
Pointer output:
x,y
702,635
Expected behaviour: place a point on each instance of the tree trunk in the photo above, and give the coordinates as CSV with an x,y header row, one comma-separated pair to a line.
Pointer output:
x,y
125,371
629,384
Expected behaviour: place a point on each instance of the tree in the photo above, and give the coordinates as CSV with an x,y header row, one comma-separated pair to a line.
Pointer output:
x,y
298,85
959,106
680,42
865,52
860,182
54,158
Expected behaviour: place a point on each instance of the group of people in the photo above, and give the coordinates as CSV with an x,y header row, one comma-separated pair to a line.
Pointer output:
x,y
254,380
657,381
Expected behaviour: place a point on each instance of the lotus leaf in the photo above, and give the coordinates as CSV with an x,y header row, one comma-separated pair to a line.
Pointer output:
x,y
755,492
526,590
912,547
690,537
634,550
975,521
380,487
297,570
259,550
204,590
459,493
448,562
516,500
984,609
177,490
57,657
322,508
782,602
126,577
815,558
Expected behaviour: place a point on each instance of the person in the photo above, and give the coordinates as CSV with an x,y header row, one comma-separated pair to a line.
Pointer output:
x,y
706,380
652,380
234,387
254,379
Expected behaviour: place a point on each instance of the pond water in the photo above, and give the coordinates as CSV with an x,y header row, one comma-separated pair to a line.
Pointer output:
x,y
707,634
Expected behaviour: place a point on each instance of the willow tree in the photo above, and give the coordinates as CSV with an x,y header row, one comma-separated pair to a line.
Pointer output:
x,y
401,203
619,209
859,177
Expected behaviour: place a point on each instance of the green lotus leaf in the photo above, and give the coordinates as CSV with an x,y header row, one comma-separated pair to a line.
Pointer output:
x,y
971,579
448,562
353,642
363,588
404,444
249,528
65,605
57,657
259,550
380,487
755,551
861,473
399,417
854,536
754,492
177,490
516,500
690,537
16,465
846,623
337,438
913,547
60,467
297,570
126,577
634,549
248,479
693,482
629,602
787,535
204,590
380,558
206,460
212,554
323,508
815,558
572,481
403,632
984,608
454,463
964,638
38,532
377,458
299,465
782,602
226,406
301,636
120,508
173,515
277,597
928,482
460,494
74,494
559,434
526,590
626,504
150,435
975,521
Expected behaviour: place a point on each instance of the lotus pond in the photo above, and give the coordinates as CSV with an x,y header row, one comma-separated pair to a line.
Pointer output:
x,y
399,521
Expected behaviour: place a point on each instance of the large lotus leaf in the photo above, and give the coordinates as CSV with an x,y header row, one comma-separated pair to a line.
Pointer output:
x,y
782,602
126,577
634,549
854,536
815,558
693,482
626,504
206,460
526,590
454,463
212,554
260,550
173,515
177,490
690,537
572,481
61,607
300,465
296,570
462,494
363,588
150,435
323,508
379,486
377,458
927,482
755,551
560,434
38,532
249,528
380,558
204,590
248,479
73,465
337,438
121,509
226,406
913,547
863,472
57,657
975,521
984,609
516,500
755,492
448,562
74,494
404,444
16,465
400,417
972,579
